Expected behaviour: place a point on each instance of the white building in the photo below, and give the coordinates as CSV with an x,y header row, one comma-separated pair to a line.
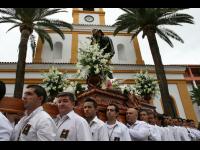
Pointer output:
x,y
126,62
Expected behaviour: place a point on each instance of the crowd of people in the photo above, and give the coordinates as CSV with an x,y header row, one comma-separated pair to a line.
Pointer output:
x,y
38,125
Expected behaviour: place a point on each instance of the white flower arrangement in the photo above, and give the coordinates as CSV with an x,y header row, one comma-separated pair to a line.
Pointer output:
x,y
145,84
54,81
126,89
75,88
92,61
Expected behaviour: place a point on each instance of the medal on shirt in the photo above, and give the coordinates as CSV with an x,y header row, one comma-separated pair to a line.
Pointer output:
x,y
64,133
26,129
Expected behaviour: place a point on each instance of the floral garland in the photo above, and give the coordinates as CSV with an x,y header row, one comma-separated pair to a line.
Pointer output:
x,y
92,61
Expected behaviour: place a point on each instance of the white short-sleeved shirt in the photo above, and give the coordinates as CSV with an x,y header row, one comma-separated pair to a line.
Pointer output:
x,y
5,128
183,134
117,132
139,131
72,127
97,130
196,133
154,133
38,126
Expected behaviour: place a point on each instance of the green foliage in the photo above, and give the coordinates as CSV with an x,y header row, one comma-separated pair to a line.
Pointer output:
x,y
195,94
136,20
35,19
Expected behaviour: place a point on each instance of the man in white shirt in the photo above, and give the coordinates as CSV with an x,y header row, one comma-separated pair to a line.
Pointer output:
x,y
71,126
195,134
139,130
116,130
36,125
90,110
155,134
5,126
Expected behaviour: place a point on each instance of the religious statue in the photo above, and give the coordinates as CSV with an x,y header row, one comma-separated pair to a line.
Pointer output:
x,y
105,43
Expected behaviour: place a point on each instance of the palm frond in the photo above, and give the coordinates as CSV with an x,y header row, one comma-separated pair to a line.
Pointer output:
x,y
14,26
7,11
44,36
135,32
163,36
172,34
51,26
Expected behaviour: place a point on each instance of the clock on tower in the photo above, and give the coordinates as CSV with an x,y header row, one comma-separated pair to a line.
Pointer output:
x,y
95,16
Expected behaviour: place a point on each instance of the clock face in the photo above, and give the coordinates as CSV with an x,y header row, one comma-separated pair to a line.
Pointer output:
x,y
89,18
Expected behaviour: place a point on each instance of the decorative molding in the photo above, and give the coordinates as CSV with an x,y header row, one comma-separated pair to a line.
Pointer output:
x,y
75,70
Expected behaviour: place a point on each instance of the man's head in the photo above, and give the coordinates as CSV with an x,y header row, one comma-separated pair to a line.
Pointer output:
x,y
2,89
184,123
100,32
180,121
112,112
90,108
170,121
165,121
159,119
66,102
143,116
95,32
131,115
175,121
191,123
34,96
151,117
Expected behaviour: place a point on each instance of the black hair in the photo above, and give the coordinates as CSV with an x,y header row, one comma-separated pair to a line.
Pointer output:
x,y
116,107
90,99
68,94
100,31
150,112
141,110
40,91
2,89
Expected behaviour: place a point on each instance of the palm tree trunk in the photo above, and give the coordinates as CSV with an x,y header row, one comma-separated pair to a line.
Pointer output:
x,y
20,72
160,72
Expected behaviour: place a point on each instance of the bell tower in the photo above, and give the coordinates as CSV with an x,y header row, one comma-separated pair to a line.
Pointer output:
x,y
89,16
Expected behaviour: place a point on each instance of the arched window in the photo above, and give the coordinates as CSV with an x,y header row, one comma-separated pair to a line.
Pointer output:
x,y
121,52
88,9
57,50
171,108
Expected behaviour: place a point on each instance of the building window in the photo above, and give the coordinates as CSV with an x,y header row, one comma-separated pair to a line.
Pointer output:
x,y
121,52
57,50
88,9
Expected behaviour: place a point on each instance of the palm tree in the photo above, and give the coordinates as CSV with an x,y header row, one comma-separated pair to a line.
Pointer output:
x,y
151,21
29,20
195,94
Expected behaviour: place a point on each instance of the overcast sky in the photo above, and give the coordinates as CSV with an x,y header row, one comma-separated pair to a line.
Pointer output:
x,y
187,53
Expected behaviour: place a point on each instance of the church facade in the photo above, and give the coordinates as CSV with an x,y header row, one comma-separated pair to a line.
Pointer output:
x,y
126,62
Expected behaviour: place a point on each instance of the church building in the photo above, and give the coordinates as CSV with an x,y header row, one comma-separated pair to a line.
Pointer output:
x,y
126,62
